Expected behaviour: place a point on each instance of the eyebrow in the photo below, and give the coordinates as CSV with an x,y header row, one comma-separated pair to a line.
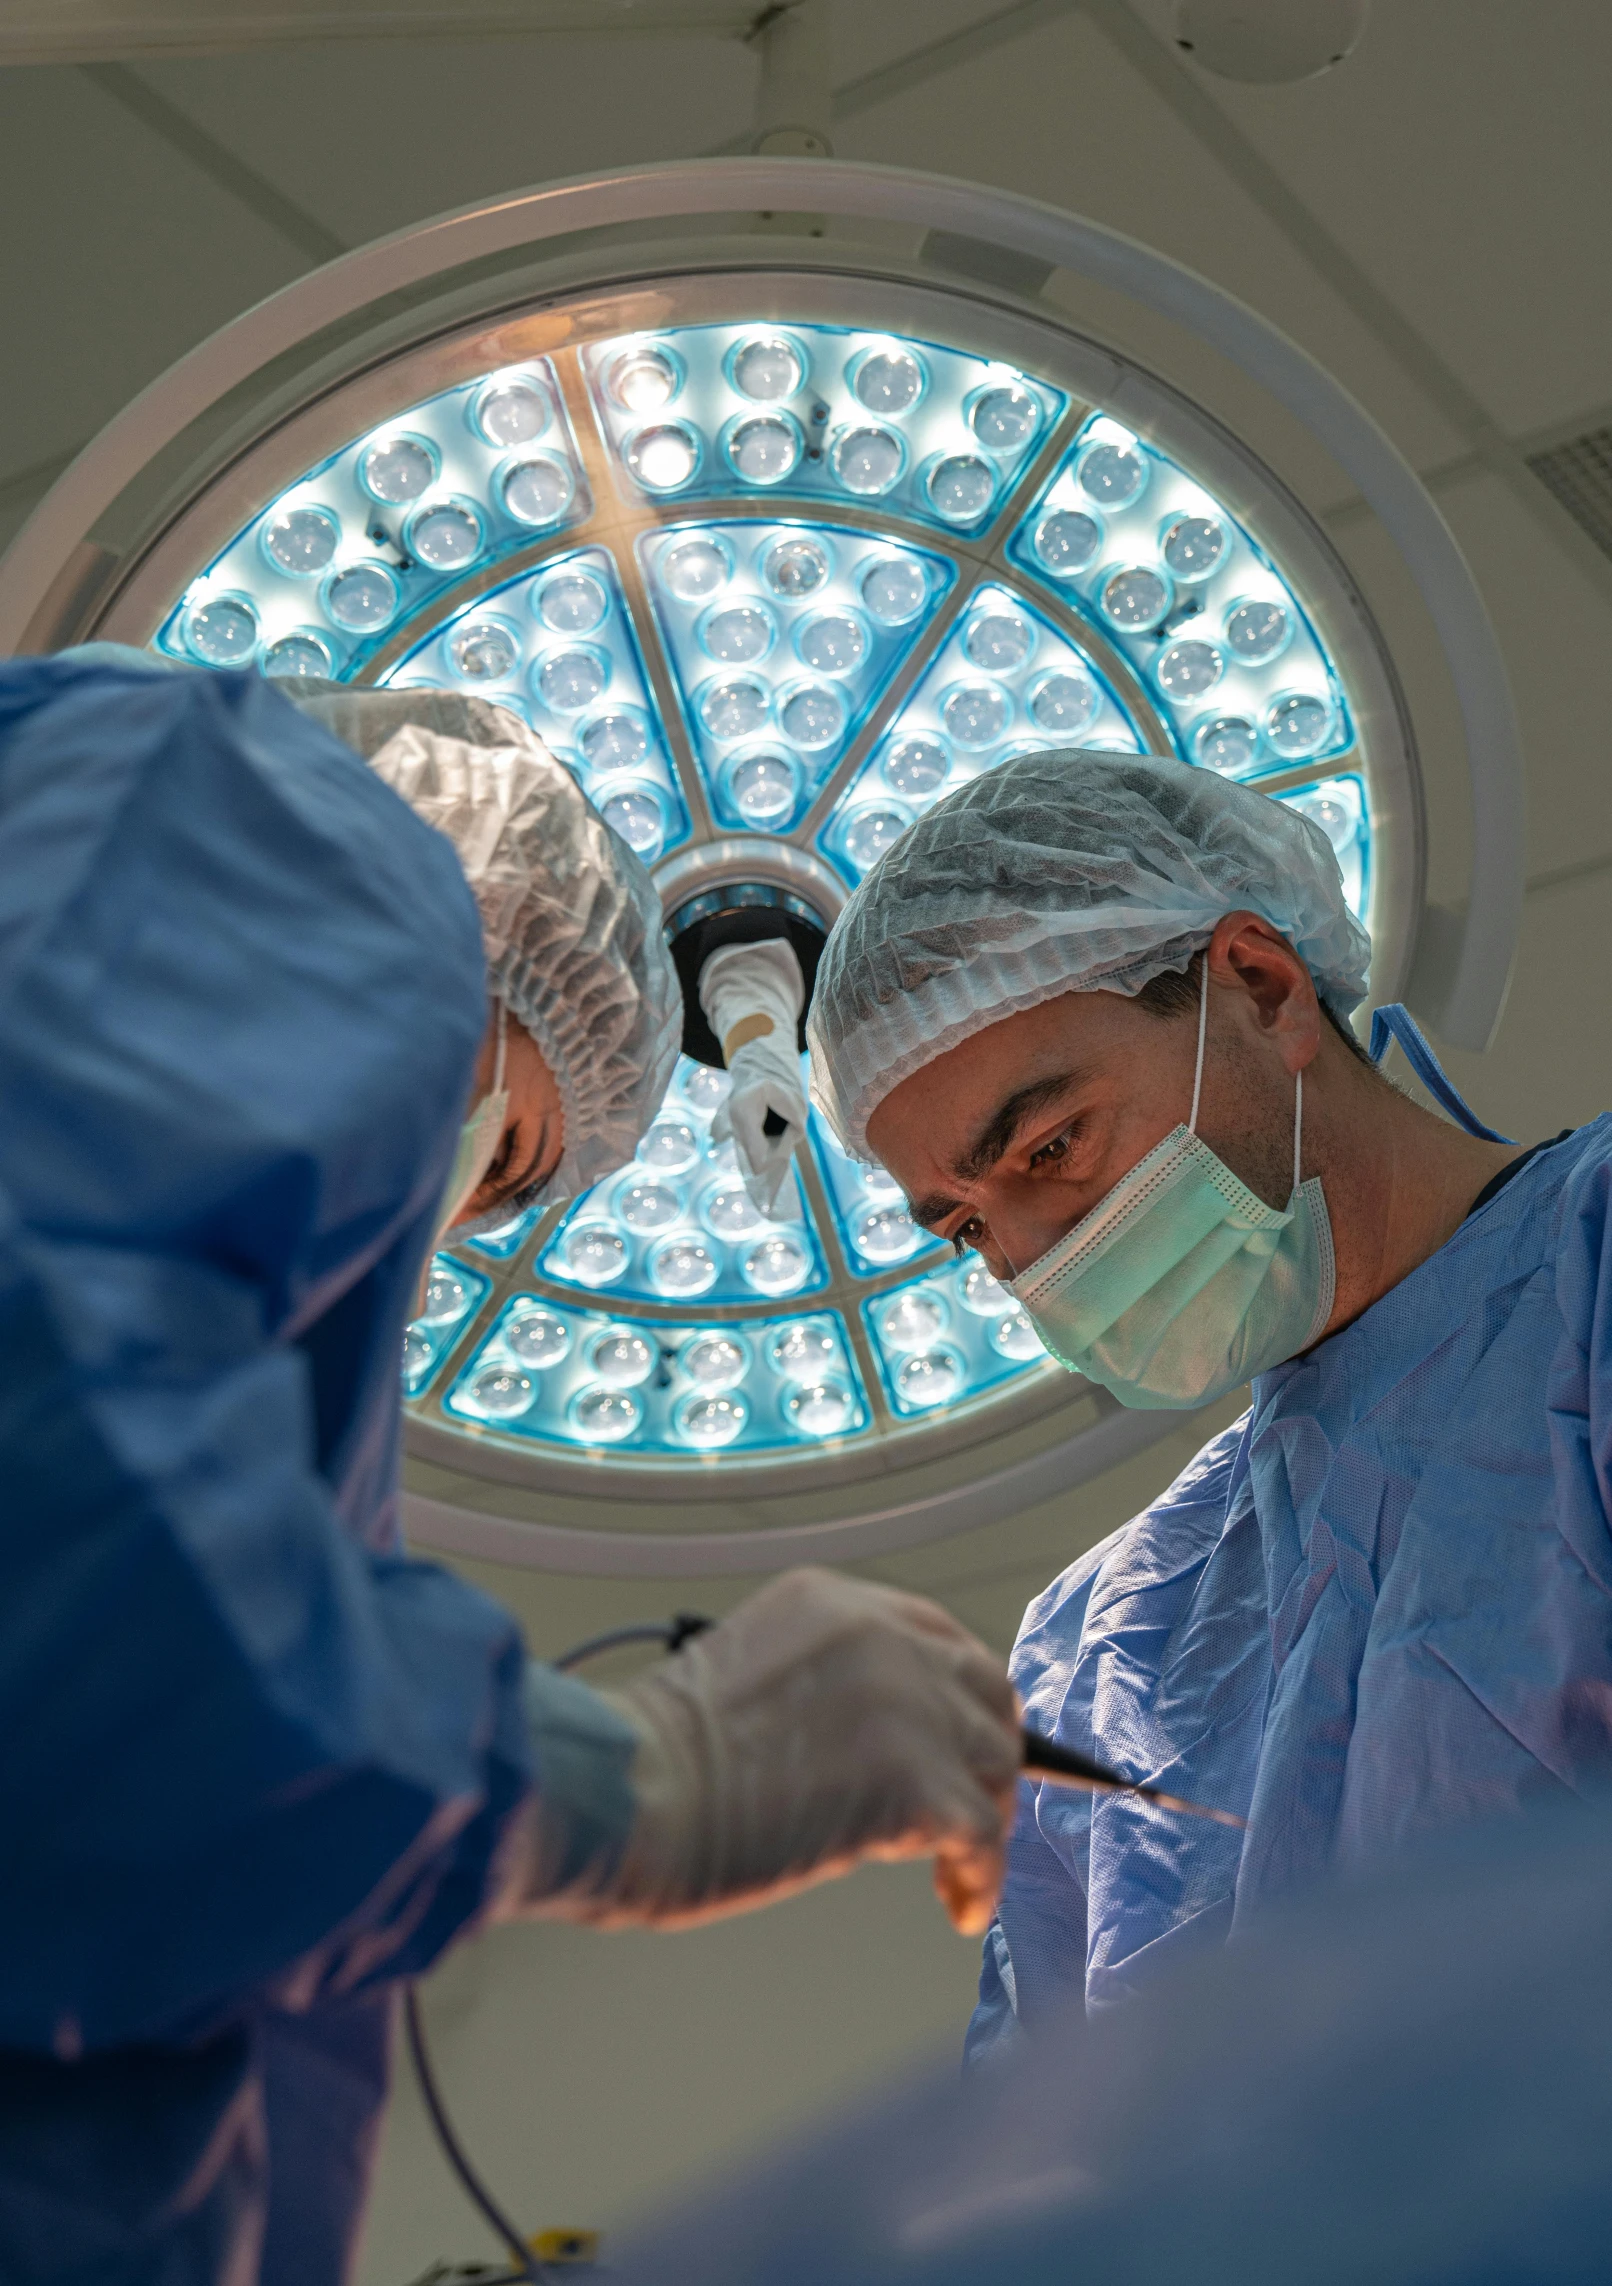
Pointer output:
x,y
991,1140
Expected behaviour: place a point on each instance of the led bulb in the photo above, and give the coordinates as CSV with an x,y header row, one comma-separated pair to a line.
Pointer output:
x,y
648,1206
537,491
604,1416
813,716
622,1358
887,1234
682,1268
708,1423
1336,820
636,814
834,643
765,788
1068,541
572,603
805,1351
570,680
916,767
594,1254
512,412
870,832
912,1320
1193,547
706,1087
363,600
644,380
895,589
978,1291
500,1392
715,1360
295,657
1298,724
446,1297
1188,670
1113,475
1257,630
765,449
301,541
221,631
730,1212
482,650
821,1408
933,1377
1227,743
733,708
614,742
739,634
418,1357
1016,1337
999,641
888,381
778,1265
1064,704
670,1147
767,369
664,458
976,714
868,461
695,569
397,470
537,1338
1135,597
445,537
1005,419
961,487
796,567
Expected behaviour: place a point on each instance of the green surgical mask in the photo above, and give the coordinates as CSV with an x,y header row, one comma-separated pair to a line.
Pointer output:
x,y
1181,1284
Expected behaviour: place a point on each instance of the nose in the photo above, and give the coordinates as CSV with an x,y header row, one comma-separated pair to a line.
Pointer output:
x,y
1022,1230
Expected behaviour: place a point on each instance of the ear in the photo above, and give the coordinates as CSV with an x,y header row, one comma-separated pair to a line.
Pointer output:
x,y
1268,985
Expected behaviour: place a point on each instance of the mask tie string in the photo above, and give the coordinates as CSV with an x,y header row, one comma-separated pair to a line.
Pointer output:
x,y
1203,1026
498,1064
1298,1126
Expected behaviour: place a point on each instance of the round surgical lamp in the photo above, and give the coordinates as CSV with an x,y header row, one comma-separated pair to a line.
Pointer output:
x,y
774,536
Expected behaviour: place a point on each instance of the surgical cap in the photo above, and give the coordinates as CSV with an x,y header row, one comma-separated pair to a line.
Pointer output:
x,y
1074,871
570,919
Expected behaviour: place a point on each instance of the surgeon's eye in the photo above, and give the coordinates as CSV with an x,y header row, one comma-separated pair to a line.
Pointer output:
x,y
1054,1151
967,1239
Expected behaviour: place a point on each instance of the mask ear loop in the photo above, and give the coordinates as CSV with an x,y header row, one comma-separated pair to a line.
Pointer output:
x,y
1298,1126
503,1035
1203,1027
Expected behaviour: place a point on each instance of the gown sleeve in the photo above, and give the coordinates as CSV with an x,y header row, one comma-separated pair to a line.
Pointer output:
x,y
253,1750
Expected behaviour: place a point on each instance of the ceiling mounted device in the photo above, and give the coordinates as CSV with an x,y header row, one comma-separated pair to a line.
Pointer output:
x,y
776,532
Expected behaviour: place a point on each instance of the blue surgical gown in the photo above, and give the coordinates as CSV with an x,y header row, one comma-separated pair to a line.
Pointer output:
x,y
257,1762
1378,1605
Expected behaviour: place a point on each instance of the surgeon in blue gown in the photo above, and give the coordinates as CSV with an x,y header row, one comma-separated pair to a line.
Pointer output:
x,y
259,1764
1092,1013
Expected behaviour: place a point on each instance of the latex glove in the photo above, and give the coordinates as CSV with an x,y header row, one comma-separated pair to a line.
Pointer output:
x,y
826,1721
752,996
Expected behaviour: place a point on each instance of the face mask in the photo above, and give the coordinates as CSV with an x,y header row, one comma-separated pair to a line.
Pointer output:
x,y
479,1138
1181,1284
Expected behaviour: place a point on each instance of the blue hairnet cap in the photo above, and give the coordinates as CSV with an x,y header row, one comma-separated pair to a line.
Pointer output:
x,y
1070,871
570,919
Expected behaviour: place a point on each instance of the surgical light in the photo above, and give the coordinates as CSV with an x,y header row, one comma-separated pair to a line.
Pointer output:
x,y
774,545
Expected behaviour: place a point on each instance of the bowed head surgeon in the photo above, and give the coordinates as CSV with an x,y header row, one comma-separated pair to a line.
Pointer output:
x,y
283,994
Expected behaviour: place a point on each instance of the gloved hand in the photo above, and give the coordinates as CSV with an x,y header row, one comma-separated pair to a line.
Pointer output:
x,y
752,996
826,1721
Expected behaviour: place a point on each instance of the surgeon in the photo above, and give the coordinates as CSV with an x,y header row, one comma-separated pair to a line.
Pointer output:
x,y
1092,1011
271,1014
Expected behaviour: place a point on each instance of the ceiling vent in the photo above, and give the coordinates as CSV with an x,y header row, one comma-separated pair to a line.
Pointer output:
x,y
1579,472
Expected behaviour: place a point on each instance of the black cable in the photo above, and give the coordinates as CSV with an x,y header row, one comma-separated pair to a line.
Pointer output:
x,y
673,1633
474,2188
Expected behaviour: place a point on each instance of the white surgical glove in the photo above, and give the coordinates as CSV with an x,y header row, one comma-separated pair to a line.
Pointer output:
x,y
826,1721
752,996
